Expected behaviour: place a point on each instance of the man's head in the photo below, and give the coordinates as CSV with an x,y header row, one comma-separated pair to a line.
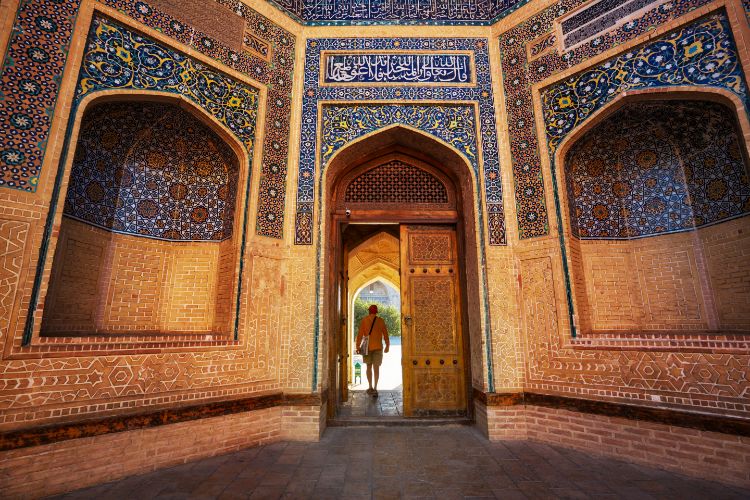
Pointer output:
x,y
373,309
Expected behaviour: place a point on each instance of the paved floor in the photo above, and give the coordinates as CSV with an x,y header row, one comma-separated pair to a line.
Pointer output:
x,y
381,462
361,404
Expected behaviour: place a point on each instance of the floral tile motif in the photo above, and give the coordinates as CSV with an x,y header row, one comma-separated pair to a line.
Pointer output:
x,y
519,74
462,12
153,170
33,66
367,95
657,167
117,58
703,54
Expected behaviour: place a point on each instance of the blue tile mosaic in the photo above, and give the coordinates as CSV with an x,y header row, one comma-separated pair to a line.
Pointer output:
x,y
445,96
154,170
117,58
523,68
400,68
657,167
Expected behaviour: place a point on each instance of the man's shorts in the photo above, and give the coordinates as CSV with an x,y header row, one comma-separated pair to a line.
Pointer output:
x,y
374,357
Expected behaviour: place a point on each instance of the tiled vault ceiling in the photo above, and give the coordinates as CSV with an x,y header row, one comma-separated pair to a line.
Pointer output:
x,y
398,11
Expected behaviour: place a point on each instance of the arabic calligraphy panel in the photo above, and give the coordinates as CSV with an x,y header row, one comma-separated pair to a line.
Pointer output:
x,y
397,68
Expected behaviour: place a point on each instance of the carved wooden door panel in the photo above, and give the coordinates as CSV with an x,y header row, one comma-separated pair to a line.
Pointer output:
x,y
432,350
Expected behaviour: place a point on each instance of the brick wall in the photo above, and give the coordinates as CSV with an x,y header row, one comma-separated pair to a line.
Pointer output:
x,y
78,463
698,280
302,423
709,455
105,282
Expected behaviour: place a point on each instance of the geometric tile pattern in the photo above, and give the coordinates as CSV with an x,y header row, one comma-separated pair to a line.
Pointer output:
x,y
274,71
657,167
29,83
702,54
152,170
479,12
519,74
117,58
451,98
597,17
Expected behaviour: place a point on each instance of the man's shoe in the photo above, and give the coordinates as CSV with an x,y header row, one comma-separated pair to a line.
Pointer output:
x,y
370,390
374,393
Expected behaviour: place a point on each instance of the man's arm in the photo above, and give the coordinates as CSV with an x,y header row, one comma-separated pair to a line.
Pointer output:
x,y
385,337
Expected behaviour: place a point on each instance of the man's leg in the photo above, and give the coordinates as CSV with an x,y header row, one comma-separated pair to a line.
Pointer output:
x,y
377,374
369,376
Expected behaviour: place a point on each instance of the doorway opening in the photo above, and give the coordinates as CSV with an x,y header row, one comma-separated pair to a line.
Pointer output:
x,y
398,216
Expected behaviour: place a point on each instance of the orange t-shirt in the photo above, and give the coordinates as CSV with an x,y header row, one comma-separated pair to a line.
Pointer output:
x,y
378,335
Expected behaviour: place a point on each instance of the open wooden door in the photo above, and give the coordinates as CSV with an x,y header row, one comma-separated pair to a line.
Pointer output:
x,y
432,350
343,337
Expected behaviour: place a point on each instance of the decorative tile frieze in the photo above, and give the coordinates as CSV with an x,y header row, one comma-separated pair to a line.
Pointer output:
x,y
33,66
37,55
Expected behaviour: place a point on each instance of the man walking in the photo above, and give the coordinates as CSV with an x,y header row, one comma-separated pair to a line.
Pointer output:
x,y
373,328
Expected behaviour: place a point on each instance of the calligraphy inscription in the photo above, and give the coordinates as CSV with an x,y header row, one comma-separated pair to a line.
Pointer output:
x,y
385,68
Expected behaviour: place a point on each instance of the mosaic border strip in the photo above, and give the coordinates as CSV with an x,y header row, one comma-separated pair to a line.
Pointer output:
x,y
38,45
519,74
702,54
480,94
483,13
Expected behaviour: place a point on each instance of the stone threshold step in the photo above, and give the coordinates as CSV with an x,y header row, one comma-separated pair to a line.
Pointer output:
x,y
397,421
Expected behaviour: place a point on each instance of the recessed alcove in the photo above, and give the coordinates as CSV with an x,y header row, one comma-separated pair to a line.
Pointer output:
x,y
148,237
657,197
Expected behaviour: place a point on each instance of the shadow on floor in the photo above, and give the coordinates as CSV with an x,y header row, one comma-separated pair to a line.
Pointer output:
x,y
383,462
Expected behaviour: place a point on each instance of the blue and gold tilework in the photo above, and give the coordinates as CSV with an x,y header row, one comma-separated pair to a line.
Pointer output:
x,y
441,12
117,58
33,65
702,55
152,170
36,57
520,73
448,101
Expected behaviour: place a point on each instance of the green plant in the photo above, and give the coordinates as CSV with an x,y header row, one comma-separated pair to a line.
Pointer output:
x,y
390,314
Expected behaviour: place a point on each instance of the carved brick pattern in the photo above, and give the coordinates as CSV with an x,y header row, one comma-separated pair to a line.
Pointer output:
x,y
710,380
433,314
12,243
396,182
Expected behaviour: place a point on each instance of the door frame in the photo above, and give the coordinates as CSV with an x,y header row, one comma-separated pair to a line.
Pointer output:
x,y
338,218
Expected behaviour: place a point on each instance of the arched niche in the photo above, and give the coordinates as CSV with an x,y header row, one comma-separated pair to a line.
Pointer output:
x,y
149,233
655,199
